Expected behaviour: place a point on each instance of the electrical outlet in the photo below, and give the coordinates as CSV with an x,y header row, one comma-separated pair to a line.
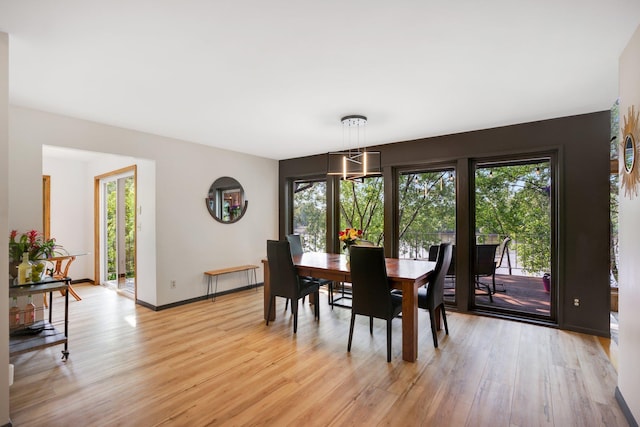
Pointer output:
x,y
576,302
173,284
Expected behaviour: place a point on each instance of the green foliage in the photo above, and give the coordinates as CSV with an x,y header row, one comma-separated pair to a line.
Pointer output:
x,y
515,201
614,185
33,243
362,207
427,210
511,201
110,193
129,227
309,213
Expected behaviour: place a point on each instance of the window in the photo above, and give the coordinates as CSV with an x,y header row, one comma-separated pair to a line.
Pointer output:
x,y
310,214
362,207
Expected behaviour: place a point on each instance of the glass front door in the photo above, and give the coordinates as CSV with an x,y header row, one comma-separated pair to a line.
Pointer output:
x,y
118,232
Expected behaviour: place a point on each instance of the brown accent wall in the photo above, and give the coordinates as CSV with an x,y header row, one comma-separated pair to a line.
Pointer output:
x,y
579,145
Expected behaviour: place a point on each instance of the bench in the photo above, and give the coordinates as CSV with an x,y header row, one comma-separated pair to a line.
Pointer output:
x,y
216,273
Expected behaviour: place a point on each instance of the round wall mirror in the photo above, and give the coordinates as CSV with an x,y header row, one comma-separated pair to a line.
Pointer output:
x,y
225,201
629,153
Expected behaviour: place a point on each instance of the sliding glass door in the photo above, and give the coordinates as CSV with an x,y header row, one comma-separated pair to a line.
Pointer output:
x,y
117,231
513,251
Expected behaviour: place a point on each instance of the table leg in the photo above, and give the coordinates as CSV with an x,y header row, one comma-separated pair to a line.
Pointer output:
x,y
267,291
73,292
409,322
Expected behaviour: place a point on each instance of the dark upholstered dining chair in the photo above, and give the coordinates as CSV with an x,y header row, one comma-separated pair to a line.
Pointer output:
x,y
431,297
486,267
296,249
371,294
450,274
285,282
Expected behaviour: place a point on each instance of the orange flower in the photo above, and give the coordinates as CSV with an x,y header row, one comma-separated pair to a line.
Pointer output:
x,y
349,236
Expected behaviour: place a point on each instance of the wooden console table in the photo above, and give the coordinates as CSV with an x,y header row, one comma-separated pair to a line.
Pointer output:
x,y
216,273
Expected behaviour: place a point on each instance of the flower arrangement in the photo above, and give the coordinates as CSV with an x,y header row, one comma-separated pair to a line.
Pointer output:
x,y
349,236
32,242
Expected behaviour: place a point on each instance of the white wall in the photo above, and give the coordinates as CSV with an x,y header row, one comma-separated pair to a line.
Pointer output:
x,y
4,224
70,190
629,240
177,238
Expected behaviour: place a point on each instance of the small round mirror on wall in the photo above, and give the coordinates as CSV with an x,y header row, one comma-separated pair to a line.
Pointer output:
x,y
629,153
225,201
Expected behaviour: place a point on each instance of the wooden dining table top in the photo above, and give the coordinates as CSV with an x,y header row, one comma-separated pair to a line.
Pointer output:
x,y
336,265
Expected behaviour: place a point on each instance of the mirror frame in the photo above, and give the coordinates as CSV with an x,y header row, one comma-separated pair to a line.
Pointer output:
x,y
217,190
630,154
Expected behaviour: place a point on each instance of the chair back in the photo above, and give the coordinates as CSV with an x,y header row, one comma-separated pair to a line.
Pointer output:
x,y
295,243
433,253
504,249
282,273
370,285
485,259
435,291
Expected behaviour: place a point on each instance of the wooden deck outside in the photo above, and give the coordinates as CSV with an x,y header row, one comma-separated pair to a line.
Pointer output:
x,y
520,293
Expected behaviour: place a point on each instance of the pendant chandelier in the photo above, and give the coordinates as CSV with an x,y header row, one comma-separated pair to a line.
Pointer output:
x,y
354,163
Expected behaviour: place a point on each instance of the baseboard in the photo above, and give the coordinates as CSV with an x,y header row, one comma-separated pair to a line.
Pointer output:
x,y
73,282
625,409
201,298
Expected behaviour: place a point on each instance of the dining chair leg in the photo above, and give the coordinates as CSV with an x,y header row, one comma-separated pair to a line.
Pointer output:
x,y
353,319
444,319
434,333
294,309
388,340
330,296
316,305
286,304
371,325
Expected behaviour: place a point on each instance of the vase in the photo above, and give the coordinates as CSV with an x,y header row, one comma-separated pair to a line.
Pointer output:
x,y
546,282
37,271
347,252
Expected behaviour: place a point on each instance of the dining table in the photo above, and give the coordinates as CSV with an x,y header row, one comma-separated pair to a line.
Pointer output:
x,y
405,274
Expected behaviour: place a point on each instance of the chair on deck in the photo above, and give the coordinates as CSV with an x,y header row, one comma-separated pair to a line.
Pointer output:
x,y
485,266
371,292
296,249
285,282
503,250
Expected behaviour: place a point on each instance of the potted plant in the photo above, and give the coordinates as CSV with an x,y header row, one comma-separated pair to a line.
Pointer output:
x,y
34,243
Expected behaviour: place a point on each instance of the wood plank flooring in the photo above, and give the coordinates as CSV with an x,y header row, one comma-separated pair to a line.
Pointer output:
x,y
218,364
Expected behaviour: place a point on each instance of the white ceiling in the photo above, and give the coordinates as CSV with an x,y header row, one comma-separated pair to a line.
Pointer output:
x,y
274,78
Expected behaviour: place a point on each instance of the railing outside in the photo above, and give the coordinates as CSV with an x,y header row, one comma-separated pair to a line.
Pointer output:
x,y
416,246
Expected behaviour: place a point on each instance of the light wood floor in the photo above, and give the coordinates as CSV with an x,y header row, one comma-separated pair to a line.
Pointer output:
x,y
218,364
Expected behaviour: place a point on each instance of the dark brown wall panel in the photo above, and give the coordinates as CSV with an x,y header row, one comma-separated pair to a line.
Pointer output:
x,y
581,146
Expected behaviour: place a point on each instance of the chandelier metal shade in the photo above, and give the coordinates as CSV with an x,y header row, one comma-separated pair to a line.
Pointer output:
x,y
354,163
